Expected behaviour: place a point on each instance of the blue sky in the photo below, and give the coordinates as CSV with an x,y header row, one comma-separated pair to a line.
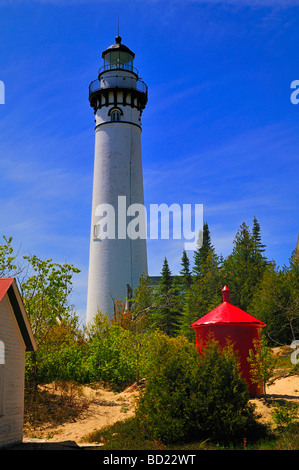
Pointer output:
x,y
219,128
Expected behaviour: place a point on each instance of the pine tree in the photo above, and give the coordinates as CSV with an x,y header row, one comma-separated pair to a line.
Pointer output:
x,y
166,279
243,268
203,249
276,302
256,235
203,295
167,314
185,272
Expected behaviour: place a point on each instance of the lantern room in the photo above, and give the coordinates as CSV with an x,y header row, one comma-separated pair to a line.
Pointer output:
x,y
230,322
118,56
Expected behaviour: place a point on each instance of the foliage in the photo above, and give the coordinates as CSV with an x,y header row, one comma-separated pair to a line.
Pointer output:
x,y
60,355
203,295
198,396
143,304
189,397
45,291
121,435
186,276
285,414
262,362
7,258
204,247
276,302
256,235
166,315
243,268
110,358
136,320
117,355
122,316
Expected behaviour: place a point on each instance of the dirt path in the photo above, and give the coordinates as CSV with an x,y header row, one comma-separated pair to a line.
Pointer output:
x,y
283,388
105,408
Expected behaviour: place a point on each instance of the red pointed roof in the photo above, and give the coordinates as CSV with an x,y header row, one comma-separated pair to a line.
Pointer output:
x,y
9,286
5,283
227,313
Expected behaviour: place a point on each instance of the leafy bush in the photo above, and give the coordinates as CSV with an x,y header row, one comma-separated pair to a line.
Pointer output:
x,y
110,354
118,356
285,414
189,397
110,357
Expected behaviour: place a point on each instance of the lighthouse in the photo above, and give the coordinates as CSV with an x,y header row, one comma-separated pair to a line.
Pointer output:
x,y
117,255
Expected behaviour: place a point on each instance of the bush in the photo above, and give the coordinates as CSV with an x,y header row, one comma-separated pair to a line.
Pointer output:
x,y
61,362
111,359
189,397
285,414
109,354
117,355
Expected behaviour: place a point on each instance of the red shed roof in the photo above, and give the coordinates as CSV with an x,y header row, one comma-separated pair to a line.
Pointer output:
x,y
227,313
5,283
9,286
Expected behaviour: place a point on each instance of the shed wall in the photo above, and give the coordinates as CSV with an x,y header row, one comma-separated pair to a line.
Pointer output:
x,y
11,421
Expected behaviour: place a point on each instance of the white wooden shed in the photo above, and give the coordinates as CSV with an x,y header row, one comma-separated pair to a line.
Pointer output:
x,y
15,339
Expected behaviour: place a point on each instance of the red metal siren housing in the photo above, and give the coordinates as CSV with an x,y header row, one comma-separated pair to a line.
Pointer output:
x,y
229,321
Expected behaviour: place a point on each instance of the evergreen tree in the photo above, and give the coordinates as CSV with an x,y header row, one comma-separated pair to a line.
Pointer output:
x,y
256,235
204,246
243,268
166,315
203,295
166,279
185,272
276,302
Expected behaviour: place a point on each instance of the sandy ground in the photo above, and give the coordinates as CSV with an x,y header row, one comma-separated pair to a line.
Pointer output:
x,y
107,407
283,388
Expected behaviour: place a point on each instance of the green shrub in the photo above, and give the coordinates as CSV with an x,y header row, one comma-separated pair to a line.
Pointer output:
x,y
285,414
190,397
66,361
110,354
110,357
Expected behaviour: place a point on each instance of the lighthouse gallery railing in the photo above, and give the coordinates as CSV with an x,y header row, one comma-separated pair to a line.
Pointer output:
x,y
116,81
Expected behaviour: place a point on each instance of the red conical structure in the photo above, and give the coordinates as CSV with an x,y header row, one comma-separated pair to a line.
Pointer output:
x,y
229,321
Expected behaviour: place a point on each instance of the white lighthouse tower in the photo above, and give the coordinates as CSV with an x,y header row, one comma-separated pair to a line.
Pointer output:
x,y
117,259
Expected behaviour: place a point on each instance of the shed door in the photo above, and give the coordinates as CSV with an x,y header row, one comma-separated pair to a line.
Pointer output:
x,y
2,362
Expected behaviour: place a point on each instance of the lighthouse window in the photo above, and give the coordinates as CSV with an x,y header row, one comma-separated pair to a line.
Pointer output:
x,y
115,115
